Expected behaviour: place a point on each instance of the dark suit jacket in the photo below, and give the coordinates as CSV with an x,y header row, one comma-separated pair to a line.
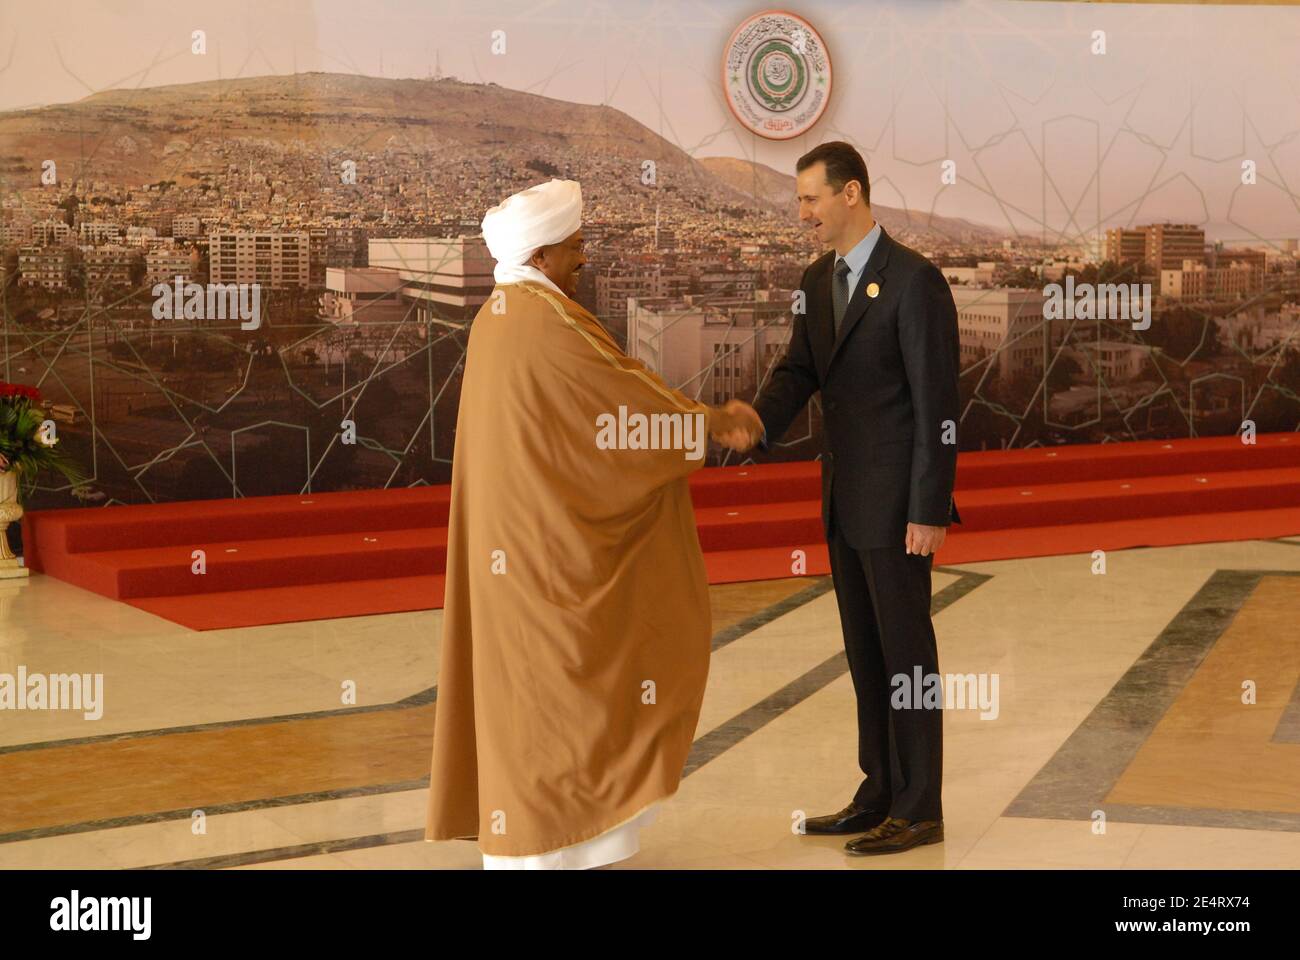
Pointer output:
x,y
888,385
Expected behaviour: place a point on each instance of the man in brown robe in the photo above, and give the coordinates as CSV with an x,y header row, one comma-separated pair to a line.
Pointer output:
x,y
576,629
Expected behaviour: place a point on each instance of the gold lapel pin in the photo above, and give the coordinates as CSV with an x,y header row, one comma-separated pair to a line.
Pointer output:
x,y
873,290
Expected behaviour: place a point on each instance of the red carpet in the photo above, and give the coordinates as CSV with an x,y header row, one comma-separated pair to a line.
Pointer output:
x,y
316,556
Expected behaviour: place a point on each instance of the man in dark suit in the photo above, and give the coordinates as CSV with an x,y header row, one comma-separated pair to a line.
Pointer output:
x,y
879,339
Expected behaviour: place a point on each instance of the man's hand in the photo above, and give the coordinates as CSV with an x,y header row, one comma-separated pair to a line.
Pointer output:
x,y
735,425
924,540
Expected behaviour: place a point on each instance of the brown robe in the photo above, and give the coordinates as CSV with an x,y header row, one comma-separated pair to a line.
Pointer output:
x,y
543,737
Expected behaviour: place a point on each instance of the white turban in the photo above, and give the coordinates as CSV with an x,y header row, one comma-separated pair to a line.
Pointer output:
x,y
516,227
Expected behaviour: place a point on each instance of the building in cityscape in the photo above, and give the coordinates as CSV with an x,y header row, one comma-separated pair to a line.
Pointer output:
x,y
1196,281
187,227
1007,324
16,231
108,270
276,261
447,279
1115,361
96,232
1155,247
617,283
1123,245
355,295
982,273
47,267
707,347
1168,245
47,232
165,264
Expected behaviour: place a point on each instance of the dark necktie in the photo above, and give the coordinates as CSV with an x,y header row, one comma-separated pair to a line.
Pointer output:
x,y
839,294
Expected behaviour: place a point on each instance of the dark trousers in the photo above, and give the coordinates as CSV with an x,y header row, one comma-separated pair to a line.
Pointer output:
x,y
884,601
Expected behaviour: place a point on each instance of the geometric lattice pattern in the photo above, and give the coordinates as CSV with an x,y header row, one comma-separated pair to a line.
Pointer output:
x,y
1000,148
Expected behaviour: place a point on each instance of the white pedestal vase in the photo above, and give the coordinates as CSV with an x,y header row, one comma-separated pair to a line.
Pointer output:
x,y
10,512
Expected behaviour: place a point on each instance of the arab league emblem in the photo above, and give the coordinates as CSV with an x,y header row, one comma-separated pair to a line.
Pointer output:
x,y
777,75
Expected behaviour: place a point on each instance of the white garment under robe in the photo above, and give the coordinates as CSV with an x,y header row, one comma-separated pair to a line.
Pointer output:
x,y
617,843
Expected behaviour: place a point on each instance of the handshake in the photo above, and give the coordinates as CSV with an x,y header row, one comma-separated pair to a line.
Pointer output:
x,y
735,425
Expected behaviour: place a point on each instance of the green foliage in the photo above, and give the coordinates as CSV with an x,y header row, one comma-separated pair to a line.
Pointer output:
x,y
24,450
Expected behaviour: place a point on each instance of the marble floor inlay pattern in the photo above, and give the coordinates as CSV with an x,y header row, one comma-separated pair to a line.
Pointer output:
x,y
1163,694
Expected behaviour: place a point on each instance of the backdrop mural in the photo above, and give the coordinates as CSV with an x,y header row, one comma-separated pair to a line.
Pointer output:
x,y
240,247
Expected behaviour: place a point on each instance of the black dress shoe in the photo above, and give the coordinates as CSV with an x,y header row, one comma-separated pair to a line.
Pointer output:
x,y
852,819
895,835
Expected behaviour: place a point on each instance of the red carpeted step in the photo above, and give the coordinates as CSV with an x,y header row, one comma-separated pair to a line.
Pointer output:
x,y
768,563
1141,458
1024,506
192,521
298,602
984,469
756,483
749,525
250,564
313,556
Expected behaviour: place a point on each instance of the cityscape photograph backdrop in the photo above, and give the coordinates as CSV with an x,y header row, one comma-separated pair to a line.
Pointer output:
x,y
1111,191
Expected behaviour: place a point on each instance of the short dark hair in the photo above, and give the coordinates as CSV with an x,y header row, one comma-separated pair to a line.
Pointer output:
x,y
843,163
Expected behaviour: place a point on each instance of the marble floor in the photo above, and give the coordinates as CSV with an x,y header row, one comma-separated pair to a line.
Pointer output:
x,y
1146,716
